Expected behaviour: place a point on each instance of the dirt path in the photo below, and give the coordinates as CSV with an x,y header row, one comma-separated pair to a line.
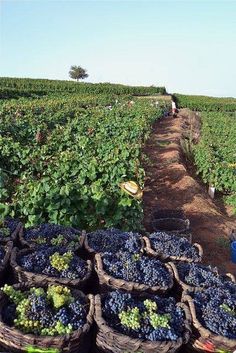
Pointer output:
x,y
169,185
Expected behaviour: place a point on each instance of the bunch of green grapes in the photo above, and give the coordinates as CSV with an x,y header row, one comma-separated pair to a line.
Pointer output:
x,y
57,241
130,318
61,262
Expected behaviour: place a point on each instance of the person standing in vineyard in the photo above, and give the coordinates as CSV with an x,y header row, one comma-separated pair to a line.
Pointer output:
x,y
173,105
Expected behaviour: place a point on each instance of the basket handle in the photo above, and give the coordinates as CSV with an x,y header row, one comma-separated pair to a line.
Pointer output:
x,y
200,249
188,322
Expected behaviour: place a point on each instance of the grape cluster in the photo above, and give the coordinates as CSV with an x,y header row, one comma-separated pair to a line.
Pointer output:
x,y
55,262
216,310
7,227
53,235
137,268
48,312
198,275
153,318
113,240
173,245
2,253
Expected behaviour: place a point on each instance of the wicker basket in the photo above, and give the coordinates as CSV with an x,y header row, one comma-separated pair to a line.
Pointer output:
x,y
186,287
202,336
171,225
15,340
108,282
92,252
22,275
8,248
32,245
13,235
163,257
168,213
110,340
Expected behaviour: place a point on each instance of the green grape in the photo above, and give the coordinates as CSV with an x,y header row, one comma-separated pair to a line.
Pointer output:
x,y
136,257
37,291
61,262
226,308
40,240
150,305
158,320
59,295
15,295
57,241
130,318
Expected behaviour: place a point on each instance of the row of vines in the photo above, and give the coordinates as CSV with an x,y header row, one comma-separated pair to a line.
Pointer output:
x,y
206,104
215,154
62,159
32,88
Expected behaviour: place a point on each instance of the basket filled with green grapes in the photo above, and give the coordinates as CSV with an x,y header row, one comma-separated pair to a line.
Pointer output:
x,y
51,316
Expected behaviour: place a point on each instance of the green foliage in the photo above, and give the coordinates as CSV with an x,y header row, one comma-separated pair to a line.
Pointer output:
x,y
25,87
77,73
204,103
65,158
214,155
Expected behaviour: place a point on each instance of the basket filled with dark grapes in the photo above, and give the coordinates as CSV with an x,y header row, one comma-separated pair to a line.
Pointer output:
x,y
51,265
113,240
51,235
132,273
213,312
192,276
5,253
130,323
53,316
170,247
9,229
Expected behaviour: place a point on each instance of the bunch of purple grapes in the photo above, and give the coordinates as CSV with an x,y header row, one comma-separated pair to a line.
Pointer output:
x,y
216,310
113,240
173,245
137,268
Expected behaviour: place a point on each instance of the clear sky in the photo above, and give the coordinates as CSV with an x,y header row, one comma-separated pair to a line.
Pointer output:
x,y
187,46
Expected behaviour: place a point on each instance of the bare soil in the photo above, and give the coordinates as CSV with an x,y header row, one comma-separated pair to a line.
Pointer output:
x,y
171,183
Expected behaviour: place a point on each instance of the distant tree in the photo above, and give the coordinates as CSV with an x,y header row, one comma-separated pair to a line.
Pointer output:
x,y
77,73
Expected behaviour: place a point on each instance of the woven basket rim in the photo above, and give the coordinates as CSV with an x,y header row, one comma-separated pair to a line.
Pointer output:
x,y
137,286
230,343
42,277
32,245
160,255
101,323
45,339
